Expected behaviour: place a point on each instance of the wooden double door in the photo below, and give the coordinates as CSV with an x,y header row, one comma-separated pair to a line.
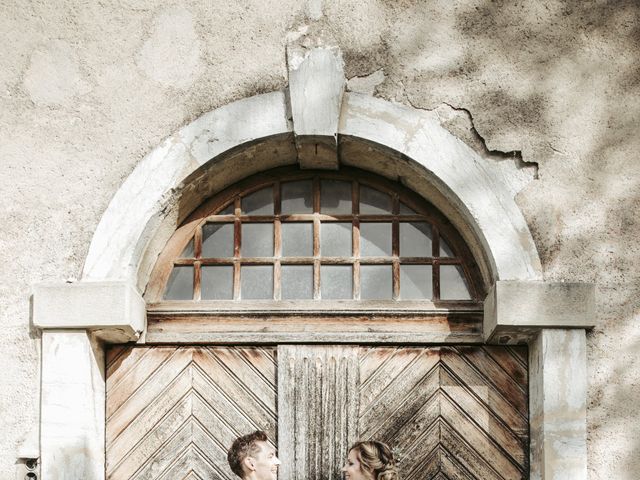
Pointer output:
x,y
448,412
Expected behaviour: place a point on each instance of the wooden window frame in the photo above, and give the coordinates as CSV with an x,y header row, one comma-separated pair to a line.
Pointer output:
x,y
338,321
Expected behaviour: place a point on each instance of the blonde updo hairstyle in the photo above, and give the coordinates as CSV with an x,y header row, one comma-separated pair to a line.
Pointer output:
x,y
377,459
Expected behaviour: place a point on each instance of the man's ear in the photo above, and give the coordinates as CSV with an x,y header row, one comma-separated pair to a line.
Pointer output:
x,y
249,463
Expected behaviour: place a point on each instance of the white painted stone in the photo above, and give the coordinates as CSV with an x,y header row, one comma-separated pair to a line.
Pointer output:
x,y
122,235
73,403
513,308
458,172
113,310
316,89
558,405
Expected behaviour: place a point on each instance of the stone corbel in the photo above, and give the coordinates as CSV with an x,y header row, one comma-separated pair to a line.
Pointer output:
x,y
516,311
316,89
113,312
552,319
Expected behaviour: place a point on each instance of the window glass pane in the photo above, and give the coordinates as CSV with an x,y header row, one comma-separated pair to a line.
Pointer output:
x,y
257,240
297,239
256,282
258,203
217,282
415,239
452,283
445,250
228,210
335,197
374,201
297,282
217,240
335,239
336,282
404,210
297,197
375,282
188,250
416,282
375,239
180,284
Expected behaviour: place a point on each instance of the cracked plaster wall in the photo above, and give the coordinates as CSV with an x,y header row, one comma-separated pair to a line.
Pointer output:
x,y
88,88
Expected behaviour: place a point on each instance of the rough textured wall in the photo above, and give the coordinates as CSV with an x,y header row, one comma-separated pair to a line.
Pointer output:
x,y
88,88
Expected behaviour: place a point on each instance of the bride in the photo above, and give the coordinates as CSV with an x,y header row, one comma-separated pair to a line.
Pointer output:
x,y
370,461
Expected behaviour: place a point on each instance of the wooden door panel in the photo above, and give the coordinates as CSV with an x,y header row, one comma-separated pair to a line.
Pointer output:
x,y
448,412
174,411
455,413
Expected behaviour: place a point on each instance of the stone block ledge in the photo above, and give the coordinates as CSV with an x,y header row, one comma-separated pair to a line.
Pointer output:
x,y
113,310
516,311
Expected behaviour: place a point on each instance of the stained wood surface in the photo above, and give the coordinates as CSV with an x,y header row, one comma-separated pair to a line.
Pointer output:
x,y
464,327
317,408
174,411
448,412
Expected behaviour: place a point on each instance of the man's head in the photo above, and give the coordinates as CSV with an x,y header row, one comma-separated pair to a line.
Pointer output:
x,y
251,457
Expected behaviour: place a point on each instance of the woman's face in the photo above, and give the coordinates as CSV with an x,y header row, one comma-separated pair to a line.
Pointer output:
x,y
352,469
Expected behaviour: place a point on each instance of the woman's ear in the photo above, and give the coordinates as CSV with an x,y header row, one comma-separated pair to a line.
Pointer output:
x,y
249,463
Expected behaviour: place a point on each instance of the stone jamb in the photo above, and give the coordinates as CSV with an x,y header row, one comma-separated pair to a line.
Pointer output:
x,y
142,209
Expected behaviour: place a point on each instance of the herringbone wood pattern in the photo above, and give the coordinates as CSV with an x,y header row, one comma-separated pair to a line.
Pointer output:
x,y
450,413
172,412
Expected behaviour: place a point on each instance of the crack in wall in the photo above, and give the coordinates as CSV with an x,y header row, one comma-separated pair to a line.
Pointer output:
x,y
475,140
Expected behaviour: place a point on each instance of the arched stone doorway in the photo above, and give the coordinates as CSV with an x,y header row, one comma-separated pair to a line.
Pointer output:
x,y
251,135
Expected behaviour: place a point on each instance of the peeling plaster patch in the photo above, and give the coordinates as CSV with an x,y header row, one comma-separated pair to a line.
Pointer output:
x,y
171,55
366,84
53,76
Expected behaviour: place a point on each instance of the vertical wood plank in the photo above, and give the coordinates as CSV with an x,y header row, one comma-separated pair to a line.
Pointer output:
x,y
317,409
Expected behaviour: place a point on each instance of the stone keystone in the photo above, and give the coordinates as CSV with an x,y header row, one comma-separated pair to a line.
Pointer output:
x,y
316,88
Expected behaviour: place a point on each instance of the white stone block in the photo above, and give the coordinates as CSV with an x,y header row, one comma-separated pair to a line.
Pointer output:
x,y
316,89
73,406
115,311
515,311
558,405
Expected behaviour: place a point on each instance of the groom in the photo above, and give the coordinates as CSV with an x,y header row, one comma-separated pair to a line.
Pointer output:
x,y
251,457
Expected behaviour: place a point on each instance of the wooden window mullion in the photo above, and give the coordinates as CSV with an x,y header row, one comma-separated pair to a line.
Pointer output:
x,y
355,236
316,238
435,269
395,247
237,241
277,243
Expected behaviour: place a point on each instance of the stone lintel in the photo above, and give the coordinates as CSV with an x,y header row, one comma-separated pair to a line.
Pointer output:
x,y
515,311
114,311
316,89
558,404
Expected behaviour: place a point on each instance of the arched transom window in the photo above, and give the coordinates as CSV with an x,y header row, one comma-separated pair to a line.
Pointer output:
x,y
305,235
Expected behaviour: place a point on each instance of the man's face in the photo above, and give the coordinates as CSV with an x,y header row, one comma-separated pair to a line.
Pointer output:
x,y
265,462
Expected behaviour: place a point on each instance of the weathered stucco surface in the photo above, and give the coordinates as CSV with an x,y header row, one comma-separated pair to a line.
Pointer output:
x,y
88,88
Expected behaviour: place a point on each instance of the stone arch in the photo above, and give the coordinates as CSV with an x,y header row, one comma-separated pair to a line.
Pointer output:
x,y
254,134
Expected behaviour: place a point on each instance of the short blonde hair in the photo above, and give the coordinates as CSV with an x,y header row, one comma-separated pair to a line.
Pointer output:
x,y
377,459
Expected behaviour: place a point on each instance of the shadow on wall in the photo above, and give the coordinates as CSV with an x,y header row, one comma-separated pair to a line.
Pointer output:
x,y
561,82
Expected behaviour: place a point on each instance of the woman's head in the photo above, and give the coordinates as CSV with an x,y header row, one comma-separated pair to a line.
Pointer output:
x,y
370,461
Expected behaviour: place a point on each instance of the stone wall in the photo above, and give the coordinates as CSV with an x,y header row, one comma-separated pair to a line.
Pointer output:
x,y
88,88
